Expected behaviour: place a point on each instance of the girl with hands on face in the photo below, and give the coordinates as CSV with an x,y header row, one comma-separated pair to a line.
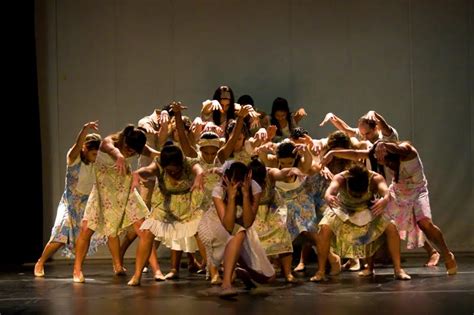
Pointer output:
x,y
227,232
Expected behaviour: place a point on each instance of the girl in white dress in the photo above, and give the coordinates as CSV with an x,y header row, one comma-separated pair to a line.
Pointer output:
x,y
227,233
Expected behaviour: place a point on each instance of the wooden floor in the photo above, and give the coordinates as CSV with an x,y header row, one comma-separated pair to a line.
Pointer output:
x,y
430,291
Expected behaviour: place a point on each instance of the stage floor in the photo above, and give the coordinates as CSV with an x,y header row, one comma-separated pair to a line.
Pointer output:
x,y
430,291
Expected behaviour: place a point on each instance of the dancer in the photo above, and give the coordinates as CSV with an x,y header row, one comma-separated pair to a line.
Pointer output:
x,y
112,206
78,185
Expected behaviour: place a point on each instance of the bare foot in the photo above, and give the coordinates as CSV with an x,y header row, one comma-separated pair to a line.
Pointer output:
x,y
78,277
335,266
451,265
120,271
401,275
433,259
134,282
159,276
300,267
318,277
173,274
39,270
366,273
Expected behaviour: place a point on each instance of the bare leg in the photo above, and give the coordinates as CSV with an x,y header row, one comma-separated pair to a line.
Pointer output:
x,y
433,255
305,252
49,250
393,243
202,252
369,271
114,247
175,261
143,252
82,246
434,235
285,260
126,242
324,238
231,255
153,262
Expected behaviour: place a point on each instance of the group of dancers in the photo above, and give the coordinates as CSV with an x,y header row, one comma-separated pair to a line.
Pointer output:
x,y
240,186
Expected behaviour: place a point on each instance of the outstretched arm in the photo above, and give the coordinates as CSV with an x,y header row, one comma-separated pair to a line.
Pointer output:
x,y
347,154
339,124
404,150
77,146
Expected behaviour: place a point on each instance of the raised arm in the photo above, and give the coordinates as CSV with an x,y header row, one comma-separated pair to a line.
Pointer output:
x,y
381,123
339,124
306,158
187,148
75,150
228,147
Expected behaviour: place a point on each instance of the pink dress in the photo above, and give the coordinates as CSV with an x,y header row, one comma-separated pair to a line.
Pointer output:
x,y
409,202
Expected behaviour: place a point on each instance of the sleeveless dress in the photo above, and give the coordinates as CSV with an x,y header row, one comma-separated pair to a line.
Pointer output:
x,y
112,205
409,202
175,211
71,209
357,233
215,238
270,223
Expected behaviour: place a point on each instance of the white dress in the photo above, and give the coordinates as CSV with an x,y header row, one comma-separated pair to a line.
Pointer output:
x,y
215,237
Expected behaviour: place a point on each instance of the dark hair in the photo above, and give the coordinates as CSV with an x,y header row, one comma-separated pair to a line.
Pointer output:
x,y
171,155
339,139
285,150
358,178
230,127
209,135
245,100
237,172
392,161
169,109
371,123
92,141
259,171
230,113
133,137
280,104
298,132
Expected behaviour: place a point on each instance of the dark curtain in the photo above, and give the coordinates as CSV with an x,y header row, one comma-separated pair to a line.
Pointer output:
x,y
22,217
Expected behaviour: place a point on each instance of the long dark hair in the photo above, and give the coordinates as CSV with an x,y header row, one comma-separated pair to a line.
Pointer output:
x,y
259,171
238,172
281,104
218,95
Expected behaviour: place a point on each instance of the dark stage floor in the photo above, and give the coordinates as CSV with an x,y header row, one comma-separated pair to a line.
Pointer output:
x,y
429,292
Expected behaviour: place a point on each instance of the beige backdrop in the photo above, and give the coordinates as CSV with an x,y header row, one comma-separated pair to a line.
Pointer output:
x,y
410,60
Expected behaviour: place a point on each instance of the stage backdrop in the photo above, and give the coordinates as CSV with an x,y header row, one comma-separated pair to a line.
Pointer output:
x,y
410,60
